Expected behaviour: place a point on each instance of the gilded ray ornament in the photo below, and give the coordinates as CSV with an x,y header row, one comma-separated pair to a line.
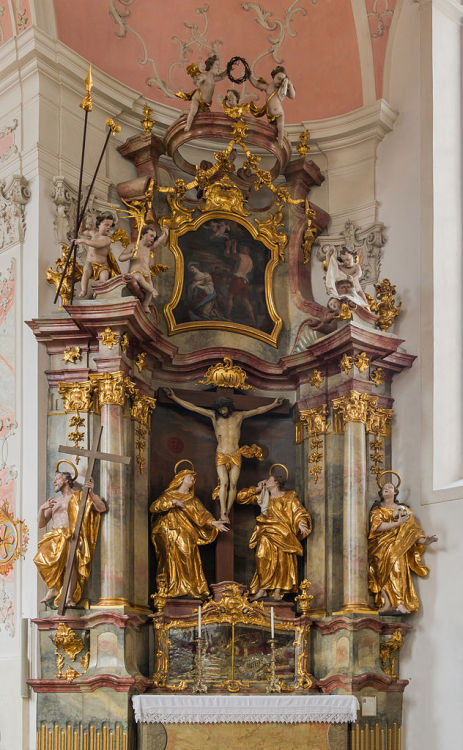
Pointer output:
x,y
14,537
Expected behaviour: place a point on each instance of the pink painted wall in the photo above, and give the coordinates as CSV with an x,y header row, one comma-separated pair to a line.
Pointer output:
x,y
15,17
318,45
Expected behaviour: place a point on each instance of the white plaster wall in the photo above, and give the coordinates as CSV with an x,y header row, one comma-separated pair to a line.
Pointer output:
x,y
432,657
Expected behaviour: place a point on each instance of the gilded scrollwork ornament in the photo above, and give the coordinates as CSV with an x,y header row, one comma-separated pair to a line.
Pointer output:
x,y
388,653
317,425
354,407
362,362
109,338
377,376
316,379
346,364
53,275
226,375
384,305
77,397
303,147
112,388
72,354
69,644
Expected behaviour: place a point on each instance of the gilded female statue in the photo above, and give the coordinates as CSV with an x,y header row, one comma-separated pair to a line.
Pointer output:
x,y
180,524
395,545
282,524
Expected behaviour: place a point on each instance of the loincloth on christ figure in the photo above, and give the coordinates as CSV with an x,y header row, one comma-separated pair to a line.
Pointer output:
x,y
234,459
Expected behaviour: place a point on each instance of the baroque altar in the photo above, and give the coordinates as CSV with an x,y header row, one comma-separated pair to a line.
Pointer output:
x,y
225,547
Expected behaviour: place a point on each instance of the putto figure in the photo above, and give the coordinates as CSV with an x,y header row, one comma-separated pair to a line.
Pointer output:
x,y
100,264
395,545
276,538
276,91
140,265
343,276
227,427
53,549
180,524
201,96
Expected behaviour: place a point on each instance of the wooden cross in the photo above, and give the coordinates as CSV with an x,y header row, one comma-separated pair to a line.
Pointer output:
x,y
92,456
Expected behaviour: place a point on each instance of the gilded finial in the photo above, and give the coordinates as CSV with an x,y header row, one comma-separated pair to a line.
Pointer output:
x,y
115,128
87,102
303,146
147,123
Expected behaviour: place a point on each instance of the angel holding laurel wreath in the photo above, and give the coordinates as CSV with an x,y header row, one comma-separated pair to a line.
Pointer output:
x,y
53,548
180,524
395,545
282,524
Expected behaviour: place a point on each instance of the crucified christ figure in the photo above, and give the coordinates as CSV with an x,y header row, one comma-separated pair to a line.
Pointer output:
x,y
227,427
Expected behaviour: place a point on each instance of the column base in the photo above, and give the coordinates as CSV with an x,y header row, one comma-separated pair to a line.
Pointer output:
x,y
356,609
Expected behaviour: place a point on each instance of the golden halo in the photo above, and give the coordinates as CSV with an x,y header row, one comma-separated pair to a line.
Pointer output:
x,y
64,461
389,471
184,461
282,466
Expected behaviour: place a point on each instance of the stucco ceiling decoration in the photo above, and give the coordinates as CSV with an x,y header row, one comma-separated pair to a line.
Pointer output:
x,y
15,17
333,50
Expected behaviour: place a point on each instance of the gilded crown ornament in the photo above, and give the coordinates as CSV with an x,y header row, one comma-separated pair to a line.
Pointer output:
x,y
226,375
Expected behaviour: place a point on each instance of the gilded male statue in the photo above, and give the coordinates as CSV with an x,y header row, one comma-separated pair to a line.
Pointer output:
x,y
53,548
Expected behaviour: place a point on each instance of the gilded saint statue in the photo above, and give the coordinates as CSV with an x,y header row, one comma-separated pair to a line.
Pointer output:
x,y
282,524
227,427
53,548
180,523
395,545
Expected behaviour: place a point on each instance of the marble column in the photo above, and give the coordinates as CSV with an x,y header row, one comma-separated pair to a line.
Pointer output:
x,y
355,409
115,482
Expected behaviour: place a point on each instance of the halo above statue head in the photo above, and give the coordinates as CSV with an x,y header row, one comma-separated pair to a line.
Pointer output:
x,y
283,467
184,461
64,461
389,471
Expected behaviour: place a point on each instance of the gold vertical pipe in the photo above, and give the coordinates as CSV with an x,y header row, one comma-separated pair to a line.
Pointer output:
x,y
372,739
111,740
399,739
76,740
92,738
105,738
42,738
37,740
56,741
98,741
377,736
362,739
395,735
69,739
50,740
389,747
118,738
357,737
63,740
233,651
367,736
124,741
85,741
382,740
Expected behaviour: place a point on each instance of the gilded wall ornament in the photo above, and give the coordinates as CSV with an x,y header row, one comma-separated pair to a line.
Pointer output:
x,y
224,195
316,379
14,538
311,233
69,644
77,396
379,420
140,361
109,338
377,455
226,375
142,406
388,655
120,235
362,362
377,376
346,364
124,343
384,305
72,354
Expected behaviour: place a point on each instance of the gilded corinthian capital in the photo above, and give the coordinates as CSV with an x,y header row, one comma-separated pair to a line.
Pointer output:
x,y
355,407
112,387
142,407
76,396
315,420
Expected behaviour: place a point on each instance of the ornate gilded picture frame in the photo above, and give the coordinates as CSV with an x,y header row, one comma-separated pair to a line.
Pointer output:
x,y
224,269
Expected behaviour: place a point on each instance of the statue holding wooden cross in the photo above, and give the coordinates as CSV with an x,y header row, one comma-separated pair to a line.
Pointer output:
x,y
65,553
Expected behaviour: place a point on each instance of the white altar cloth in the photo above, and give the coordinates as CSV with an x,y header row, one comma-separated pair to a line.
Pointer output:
x,y
218,709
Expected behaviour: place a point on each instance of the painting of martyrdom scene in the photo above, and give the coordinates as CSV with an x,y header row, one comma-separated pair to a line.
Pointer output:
x,y
224,276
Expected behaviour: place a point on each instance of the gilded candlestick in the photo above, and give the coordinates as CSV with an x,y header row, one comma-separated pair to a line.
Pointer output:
x,y
199,686
273,683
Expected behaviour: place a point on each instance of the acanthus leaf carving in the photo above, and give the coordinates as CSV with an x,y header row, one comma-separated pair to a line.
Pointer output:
x,y
13,198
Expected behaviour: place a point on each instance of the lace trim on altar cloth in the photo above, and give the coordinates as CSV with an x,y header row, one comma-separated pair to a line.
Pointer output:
x,y
255,709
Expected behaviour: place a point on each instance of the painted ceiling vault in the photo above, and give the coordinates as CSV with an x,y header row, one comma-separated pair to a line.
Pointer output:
x,y
334,50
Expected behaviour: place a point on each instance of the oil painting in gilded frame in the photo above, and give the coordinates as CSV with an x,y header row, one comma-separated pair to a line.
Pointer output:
x,y
223,278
